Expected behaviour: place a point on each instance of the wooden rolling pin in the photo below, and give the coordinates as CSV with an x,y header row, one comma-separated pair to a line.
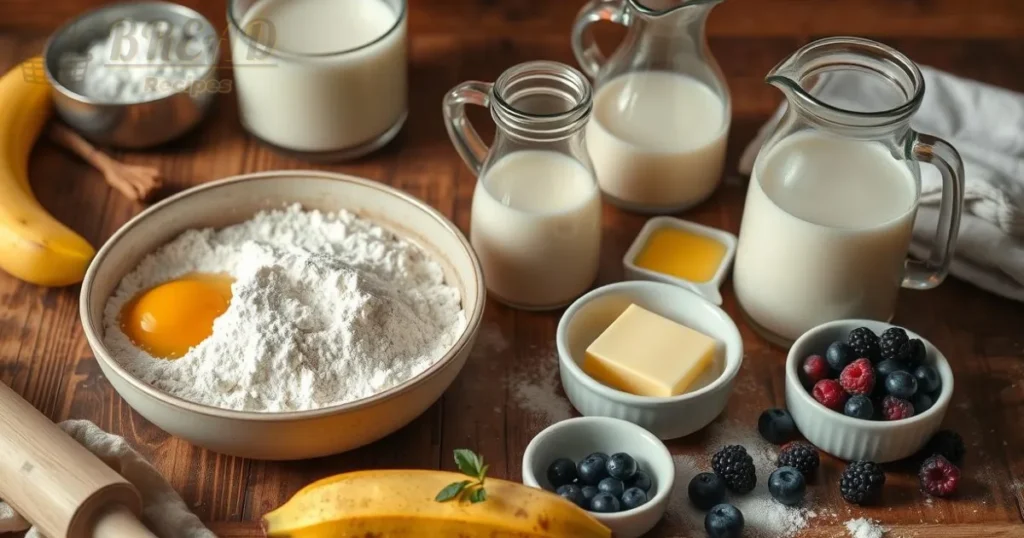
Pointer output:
x,y
58,485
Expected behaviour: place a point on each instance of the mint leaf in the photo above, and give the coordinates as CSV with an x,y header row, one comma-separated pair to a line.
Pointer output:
x,y
478,495
483,474
451,491
468,462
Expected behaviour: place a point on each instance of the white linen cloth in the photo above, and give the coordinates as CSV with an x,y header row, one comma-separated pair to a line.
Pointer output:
x,y
163,510
986,126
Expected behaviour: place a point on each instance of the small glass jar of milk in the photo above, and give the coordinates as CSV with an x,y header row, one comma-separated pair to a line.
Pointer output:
x,y
661,104
324,79
536,217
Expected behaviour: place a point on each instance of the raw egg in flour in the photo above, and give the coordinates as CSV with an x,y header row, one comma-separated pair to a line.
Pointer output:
x,y
168,320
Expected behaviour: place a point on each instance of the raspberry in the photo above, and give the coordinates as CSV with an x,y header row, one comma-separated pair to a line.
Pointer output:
x,y
864,342
939,477
946,443
801,456
830,393
814,369
736,468
858,377
894,408
861,482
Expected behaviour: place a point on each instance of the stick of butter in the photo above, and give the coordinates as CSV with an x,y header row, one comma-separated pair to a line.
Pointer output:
x,y
648,355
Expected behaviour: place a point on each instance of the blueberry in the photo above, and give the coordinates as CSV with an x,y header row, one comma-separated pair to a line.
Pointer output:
x,y
787,485
611,486
604,503
838,355
640,480
776,426
632,498
706,490
901,384
589,492
573,494
928,379
621,466
888,366
724,521
922,402
859,406
591,469
561,471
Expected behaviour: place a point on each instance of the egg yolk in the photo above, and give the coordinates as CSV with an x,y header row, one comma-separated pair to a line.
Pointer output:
x,y
168,320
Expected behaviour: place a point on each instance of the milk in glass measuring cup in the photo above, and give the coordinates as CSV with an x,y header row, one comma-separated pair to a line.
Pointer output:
x,y
536,216
661,105
832,198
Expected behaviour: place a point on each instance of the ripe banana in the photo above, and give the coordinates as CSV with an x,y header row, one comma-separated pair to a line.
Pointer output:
x,y
34,246
401,504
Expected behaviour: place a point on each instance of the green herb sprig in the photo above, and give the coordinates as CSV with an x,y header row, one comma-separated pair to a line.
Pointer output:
x,y
470,464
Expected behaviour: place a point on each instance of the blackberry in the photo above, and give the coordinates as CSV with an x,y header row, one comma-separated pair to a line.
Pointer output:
x,y
945,443
864,341
862,482
801,456
894,344
736,468
916,352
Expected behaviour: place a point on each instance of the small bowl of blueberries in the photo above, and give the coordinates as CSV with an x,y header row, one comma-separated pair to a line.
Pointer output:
x,y
619,472
867,390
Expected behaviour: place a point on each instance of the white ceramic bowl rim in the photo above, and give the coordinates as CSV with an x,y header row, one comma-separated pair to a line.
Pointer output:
x,y
941,364
732,367
664,485
473,318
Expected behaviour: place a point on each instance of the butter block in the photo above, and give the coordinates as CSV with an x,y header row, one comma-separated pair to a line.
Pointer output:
x,y
646,354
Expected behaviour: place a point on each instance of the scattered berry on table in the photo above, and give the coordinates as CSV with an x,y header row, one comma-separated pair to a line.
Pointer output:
x,y
894,344
946,443
800,456
736,468
916,352
862,482
787,485
894,408
592,469
706,490
838,355
611,486
921,402
814,369
604,503
561,471
859,406
589,492
858,377
939,477
621,466
928,379
901,384
830,393
886,367
633,498
573,494
864,342
724,521
776,426
640,480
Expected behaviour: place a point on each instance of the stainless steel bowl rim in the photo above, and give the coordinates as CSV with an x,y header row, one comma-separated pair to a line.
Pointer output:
x,y
473,318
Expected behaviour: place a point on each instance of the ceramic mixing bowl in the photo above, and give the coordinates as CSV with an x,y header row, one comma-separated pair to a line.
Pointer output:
x,y
298,434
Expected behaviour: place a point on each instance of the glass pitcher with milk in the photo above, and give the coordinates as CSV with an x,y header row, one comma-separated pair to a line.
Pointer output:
x,y
536,216
661,104
834,191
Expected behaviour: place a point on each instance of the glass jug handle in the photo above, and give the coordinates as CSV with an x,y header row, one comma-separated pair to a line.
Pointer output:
x,y
928,273
464,137
584,47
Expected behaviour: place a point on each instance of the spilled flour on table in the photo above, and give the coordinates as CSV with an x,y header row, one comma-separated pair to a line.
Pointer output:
x,y
535,386
864,528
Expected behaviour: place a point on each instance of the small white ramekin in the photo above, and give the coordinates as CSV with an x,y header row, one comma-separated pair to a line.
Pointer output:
x,y
850,438
576,438
667,418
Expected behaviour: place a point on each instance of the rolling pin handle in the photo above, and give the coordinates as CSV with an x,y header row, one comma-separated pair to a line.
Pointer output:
x,y
118,521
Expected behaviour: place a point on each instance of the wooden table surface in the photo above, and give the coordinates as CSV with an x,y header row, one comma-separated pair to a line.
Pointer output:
x,y
508,390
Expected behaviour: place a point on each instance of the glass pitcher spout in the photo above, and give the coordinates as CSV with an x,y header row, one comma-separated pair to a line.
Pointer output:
x,y
663,8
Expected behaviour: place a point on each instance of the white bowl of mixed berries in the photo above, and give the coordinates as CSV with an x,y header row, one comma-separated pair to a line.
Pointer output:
x,y
867,390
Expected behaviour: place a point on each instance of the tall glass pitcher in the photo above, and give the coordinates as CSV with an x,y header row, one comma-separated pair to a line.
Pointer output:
x,y
536,217
661,105
834,191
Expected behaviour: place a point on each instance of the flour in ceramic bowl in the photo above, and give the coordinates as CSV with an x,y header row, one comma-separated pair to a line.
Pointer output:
x,y
325,309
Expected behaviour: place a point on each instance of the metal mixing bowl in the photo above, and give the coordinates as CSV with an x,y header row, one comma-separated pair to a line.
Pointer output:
x,y
165,113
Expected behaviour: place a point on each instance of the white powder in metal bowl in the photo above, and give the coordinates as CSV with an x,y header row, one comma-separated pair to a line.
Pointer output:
x,y
325,309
